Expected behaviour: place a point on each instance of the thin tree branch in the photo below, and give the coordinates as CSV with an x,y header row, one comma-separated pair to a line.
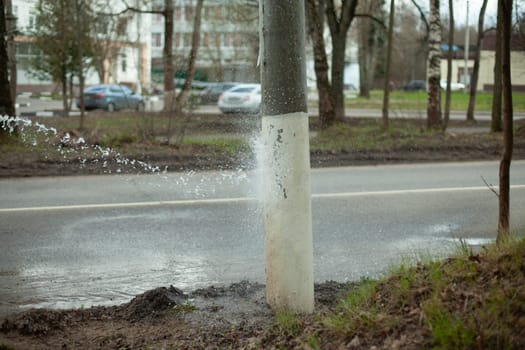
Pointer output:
x,y
369,16
490,186
422,15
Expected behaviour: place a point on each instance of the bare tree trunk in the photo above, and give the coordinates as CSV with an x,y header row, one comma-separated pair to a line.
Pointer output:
x,y
449,63
364,86
434,68
338,68
65,94
504,170
11,48
63,65
339,20
195,41
180,100
369,42
79,22
315,21
167,56
475,73
386,88
7,106
495,125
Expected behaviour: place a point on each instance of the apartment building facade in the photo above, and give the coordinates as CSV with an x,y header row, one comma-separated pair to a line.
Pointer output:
x,y
229,40
127,62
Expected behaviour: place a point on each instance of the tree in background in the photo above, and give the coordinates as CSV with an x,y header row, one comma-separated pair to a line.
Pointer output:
x,y
63,40
182,96
339,15
386,88
370,39
409,60
504,171
475,72
315,14
82,25
7,106
434,67
243,18
167,57
449,62
107,32
496,121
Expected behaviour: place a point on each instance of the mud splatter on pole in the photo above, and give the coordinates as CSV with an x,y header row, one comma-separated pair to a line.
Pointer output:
x,y
286,159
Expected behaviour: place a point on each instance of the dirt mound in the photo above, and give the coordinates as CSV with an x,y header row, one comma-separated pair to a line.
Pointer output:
x,y
37,322
242,289
220,315
152,303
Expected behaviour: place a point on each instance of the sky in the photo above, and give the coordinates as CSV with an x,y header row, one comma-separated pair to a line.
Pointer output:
x,y
460,11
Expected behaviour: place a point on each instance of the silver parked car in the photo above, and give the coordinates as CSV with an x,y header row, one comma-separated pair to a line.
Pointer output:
x,y
453,86
243,98
111,98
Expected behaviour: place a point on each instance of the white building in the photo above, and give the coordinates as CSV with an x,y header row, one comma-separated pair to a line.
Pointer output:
x,y
228,42
129,62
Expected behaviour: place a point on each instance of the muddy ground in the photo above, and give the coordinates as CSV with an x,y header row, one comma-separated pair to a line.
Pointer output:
x,y
234,316
217,317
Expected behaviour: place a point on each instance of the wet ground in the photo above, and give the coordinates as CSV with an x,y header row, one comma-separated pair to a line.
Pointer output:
x,y
214,317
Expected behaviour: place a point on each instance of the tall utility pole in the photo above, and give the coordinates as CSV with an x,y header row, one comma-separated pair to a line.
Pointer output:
x,y
286,169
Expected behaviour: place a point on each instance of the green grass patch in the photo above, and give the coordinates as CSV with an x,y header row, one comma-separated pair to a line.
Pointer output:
x,y
462,302
417,100
369,134
288,322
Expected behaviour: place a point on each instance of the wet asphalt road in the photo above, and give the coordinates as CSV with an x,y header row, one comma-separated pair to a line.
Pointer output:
x,y
82,241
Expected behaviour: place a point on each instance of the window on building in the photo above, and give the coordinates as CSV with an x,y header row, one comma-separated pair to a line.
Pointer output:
x,y
124,62
156,39
237,40
217,39
218,12
31,22
228,39
177,39
189,13
178,13
187,40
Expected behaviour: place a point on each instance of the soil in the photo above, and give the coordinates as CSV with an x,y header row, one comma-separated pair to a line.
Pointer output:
x,y
212,318
216,317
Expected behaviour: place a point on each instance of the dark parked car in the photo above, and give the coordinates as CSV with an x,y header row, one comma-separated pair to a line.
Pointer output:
x,y
415,85
111,98
210,95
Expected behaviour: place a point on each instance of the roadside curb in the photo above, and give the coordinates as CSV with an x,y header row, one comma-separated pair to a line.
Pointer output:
x,y
49,114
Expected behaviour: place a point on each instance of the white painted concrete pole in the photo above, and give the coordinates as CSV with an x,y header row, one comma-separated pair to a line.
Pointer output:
x,y
286,158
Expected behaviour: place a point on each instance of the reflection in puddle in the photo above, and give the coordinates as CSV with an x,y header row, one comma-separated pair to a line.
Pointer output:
x,y
472,241
60,288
